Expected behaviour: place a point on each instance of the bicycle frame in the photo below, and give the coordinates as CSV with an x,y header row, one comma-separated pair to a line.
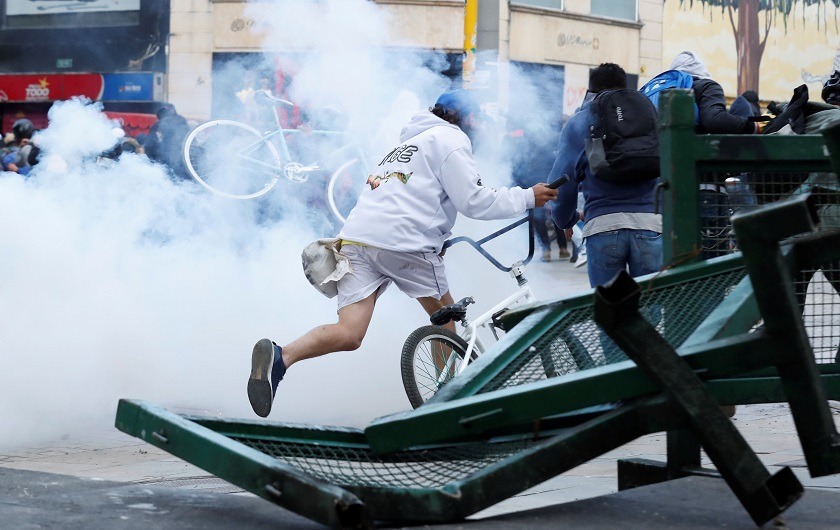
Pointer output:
x,y
263,98
517,271
342,162
524,293
470,333
284,152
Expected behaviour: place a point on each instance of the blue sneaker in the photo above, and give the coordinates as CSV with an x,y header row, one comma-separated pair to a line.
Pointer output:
x,y
267,370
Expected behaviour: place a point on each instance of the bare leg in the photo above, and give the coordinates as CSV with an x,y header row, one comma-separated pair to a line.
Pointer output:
x,y
345,335
431,304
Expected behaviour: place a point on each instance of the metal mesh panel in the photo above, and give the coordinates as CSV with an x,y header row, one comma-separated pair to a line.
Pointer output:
x,y
577,343
724,194
817,294
350,466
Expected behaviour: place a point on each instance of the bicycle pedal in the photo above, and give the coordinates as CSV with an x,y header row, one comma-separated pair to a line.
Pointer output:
x,y
496,316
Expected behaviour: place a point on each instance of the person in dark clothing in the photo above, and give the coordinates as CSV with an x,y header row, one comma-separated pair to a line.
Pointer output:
x,y
621,226
713,118
711,103
531,154
16,153
831,89
746,105
165,142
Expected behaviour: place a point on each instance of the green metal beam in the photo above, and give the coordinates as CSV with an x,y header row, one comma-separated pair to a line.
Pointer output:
x,y
760,234
537,322
763,495
469,417
240,465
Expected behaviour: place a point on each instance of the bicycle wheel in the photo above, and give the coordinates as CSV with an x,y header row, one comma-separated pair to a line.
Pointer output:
x,y
430,358
345,186
232,159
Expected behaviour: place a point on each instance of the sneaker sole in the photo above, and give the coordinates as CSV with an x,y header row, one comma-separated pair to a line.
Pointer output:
x,y
259,384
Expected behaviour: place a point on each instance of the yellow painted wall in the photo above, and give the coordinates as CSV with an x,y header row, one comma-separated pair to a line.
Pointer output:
x,y
790,57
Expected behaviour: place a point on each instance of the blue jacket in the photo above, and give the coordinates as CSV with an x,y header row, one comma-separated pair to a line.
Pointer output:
x,y
600,197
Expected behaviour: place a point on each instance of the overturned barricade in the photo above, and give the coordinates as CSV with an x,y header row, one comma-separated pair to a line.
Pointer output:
x,y
575,378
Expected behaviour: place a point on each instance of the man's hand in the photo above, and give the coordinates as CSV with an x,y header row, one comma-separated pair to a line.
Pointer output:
x,y
543,194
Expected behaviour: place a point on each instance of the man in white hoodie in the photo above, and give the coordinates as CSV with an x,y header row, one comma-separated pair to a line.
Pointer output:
x,y
396,232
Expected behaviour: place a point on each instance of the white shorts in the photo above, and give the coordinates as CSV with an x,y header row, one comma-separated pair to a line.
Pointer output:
x,y
417,274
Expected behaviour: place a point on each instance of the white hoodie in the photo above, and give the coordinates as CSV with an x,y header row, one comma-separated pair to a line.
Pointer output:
x,y
416,191
689,63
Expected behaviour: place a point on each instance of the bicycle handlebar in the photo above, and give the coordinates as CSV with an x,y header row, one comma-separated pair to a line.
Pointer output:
x,y
529,219
559,182
263,98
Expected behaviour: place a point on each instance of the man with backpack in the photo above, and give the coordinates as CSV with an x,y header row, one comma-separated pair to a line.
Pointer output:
x,y
610,150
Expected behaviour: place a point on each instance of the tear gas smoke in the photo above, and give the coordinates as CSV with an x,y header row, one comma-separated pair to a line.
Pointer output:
x,y
119,282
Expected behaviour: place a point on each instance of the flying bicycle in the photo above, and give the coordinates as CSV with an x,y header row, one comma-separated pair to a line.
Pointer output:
x,y
432,355
237,161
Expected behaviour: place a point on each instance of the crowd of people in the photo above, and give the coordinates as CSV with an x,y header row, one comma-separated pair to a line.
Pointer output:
x,y
163,144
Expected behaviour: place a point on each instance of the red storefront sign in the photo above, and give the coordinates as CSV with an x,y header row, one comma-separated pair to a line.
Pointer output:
x,y
50,87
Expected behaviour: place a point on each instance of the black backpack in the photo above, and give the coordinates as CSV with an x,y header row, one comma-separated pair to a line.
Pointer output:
x,y
623,146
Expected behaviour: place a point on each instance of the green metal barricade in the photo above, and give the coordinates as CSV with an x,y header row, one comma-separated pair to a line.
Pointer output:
x,y
559,389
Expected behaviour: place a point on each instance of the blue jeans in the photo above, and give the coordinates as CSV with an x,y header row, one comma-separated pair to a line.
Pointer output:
x,y
637,251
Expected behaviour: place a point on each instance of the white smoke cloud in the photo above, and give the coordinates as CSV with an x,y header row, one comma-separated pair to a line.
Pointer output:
x,y
119,282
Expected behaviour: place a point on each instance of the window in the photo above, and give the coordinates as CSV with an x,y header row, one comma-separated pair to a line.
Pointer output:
x,y
20,14
623,9
552,4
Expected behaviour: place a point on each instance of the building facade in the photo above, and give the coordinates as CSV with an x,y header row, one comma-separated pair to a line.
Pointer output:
x,y
109,51
133,55
564,37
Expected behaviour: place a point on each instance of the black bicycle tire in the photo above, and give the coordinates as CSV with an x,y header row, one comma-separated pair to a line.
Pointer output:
x,y
414,340
194,173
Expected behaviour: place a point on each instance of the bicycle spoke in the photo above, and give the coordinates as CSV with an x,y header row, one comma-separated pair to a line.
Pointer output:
x,y
430,359
436,365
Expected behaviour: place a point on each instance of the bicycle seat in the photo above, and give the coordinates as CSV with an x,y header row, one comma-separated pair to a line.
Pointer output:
x,y
456,312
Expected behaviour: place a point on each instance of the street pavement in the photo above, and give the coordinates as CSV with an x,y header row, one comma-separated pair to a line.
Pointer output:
x,y
110,455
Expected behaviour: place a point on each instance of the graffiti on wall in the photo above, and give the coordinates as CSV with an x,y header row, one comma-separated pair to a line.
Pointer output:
x,y
767,46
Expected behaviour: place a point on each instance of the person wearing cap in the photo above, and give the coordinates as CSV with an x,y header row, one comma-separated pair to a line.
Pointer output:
x,y
746,105
396,231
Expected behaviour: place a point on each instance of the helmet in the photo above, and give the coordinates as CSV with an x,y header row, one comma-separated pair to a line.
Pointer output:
x,y
831,89
23,129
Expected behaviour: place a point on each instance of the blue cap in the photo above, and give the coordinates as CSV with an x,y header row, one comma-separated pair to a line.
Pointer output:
x,y
460,100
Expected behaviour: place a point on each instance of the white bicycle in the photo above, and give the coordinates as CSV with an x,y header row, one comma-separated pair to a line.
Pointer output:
x,y
433,355
237,161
